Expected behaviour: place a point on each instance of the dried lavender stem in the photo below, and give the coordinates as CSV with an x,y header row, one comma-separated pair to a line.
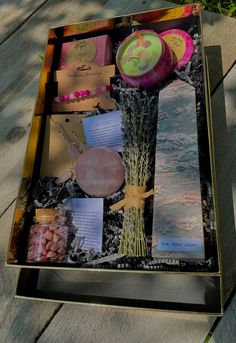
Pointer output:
x,y
139,122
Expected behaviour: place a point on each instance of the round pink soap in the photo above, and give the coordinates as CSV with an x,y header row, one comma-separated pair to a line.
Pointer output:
x,y
100,171
181,44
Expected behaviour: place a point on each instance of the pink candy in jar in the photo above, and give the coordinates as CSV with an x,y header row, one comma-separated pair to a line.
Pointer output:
x,y
48,237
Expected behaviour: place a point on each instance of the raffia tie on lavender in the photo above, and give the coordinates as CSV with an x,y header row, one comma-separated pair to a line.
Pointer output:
x,y
138,125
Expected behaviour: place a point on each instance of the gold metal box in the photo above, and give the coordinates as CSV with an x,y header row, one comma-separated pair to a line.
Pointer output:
x,y
189,291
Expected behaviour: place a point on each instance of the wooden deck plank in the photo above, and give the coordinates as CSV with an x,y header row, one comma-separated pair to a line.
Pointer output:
x,y
225,332
20,53
113,7
81,323
23,49
224,123
14,130
219,33
14,13
223,110
16,109
20,320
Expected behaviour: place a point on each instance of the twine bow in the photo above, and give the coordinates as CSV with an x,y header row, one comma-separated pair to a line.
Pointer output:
x,y
134,197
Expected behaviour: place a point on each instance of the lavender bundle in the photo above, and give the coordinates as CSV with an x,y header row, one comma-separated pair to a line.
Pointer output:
x,y
139,127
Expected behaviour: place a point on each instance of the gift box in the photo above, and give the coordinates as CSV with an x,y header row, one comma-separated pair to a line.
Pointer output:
x,y
121,232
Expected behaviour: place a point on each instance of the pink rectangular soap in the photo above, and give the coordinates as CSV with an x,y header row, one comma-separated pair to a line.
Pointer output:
x,y
95,49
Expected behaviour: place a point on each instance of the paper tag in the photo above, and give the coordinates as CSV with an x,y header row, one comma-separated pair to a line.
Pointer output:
x,y
56,158
92,77
180,244
88,220
104,130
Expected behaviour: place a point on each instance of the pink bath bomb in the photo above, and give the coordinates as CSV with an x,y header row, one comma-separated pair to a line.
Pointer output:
x,y
100,171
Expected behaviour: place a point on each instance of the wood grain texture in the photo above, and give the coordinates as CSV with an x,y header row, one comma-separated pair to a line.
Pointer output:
x,y
14,13
113,7
90,324
20,53
20,320
219,33
20,72
225,332
224,125
14,131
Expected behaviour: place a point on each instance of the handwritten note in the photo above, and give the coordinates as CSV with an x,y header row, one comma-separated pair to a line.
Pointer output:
x,y
88,219
104,130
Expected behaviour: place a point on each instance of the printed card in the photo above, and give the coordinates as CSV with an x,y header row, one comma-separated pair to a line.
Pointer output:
x,y
88,221
104,130
88,77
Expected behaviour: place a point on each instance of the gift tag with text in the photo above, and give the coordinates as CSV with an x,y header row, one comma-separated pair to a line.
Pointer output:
x,y
104,130
84,89
87,219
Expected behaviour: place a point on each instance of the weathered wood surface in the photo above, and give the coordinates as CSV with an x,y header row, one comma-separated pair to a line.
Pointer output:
x,y
14,129
225,332
218,33
98,324
224,124
22,49
22,320
14,13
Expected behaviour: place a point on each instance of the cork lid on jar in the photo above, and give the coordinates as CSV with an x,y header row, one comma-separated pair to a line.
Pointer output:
x,y
47,215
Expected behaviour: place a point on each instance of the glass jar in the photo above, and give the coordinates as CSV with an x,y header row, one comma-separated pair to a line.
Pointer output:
x,y
48,237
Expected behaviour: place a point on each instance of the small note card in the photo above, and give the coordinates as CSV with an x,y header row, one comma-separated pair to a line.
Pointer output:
x,y
104,130
87,216
189,244
90,77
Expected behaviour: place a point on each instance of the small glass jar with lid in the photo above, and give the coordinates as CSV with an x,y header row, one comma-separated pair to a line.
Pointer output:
x,y
48,236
